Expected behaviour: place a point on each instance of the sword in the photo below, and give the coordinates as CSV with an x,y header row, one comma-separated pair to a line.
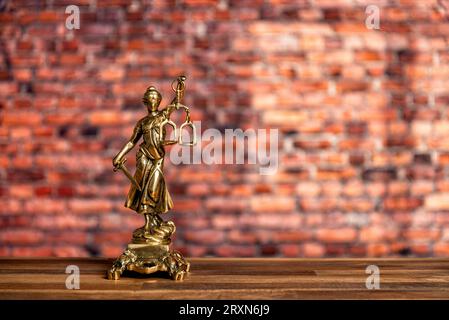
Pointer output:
x,y
121,166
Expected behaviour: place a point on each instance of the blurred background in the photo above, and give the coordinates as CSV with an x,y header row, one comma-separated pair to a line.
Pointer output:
x,y
362,114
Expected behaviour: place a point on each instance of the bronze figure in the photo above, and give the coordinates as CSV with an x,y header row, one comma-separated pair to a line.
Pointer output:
x,y
148,195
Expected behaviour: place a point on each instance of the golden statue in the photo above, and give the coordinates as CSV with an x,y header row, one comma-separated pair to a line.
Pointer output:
x,y
149,249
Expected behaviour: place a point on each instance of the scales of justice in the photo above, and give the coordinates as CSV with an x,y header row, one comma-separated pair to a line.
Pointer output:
x,y
149,250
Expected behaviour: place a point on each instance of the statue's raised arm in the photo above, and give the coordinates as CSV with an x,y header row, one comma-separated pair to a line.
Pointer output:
x,y
175,104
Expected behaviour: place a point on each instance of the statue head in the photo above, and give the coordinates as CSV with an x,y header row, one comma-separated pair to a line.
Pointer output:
x,y
152,98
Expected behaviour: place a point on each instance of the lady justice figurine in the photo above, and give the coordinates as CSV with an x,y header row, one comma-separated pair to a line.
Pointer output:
x,y
149,249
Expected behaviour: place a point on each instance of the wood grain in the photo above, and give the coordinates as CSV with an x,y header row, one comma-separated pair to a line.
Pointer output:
x,y
218,278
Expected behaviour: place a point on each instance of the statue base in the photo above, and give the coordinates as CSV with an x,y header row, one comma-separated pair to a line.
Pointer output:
x,y
150,258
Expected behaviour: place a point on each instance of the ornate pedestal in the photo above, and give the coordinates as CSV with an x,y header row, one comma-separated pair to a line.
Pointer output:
x,y
147,259
150,253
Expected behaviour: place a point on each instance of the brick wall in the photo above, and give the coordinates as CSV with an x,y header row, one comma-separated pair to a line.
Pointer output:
x,y
363,118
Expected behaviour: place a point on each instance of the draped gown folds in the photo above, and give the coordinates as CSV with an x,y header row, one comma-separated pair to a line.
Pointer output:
x,y
154,197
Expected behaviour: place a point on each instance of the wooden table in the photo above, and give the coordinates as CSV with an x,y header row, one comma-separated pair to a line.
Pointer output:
x,y
218,278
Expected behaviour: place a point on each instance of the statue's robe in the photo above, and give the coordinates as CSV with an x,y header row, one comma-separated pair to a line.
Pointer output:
x,y
154,197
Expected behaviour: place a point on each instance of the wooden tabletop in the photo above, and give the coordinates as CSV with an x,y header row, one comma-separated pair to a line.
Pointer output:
x,y
218,278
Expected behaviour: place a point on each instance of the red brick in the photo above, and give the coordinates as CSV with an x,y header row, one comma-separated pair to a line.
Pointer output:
x,y
111,74
377,249
335,174
43,191
235,251
402,203
239,237
119,221
421,249
337,235
422,234
308,189
70,251
292,236
270,204
111,237
198,189
223,221
185,205
107,118
64,221
204,236
437,201
225,204
111,251
23,75
313,144
313,250
21,118
290,250
319,205
21,237
377,233
77,238
86,206
196,251
21,191
441,249
40,251
5,252
43,206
